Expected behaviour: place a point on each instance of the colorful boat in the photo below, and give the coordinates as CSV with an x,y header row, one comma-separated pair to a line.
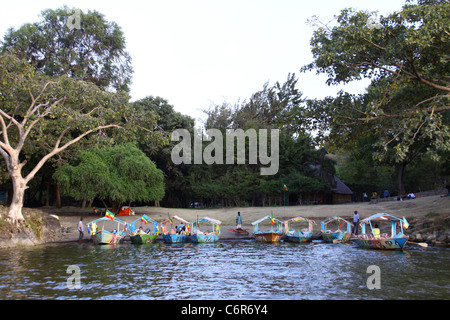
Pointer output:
x,y
272,235
374,239
170,235
337,236
102,236
293,234
140,236
202,237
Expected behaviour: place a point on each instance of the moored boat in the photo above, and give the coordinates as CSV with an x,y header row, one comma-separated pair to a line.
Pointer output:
x,y
141,236
104,236
293,233
171,236
272,235
203,237
337,236
375,239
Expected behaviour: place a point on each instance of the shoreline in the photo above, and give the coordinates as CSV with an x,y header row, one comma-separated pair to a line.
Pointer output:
x,y
429,218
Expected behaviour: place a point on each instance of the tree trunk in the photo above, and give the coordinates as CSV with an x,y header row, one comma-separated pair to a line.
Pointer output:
x,y
47,195
58,196
401,169
15,210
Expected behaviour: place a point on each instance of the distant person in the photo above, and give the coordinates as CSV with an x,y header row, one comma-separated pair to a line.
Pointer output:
x,y
376,231
355,222
386,193
181,227
80,229
411,196
447,186
239,221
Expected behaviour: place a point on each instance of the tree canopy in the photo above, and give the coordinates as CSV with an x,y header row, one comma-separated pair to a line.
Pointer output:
x,y
114,174
406,56
94,52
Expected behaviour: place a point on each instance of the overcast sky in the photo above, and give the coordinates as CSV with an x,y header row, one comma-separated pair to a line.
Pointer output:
x,y
204,52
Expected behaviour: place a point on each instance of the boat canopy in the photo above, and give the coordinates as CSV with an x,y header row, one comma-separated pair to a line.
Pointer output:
x,y
278,227
215,224
265,218
214,221
108,219
288,222
93,227
323,224
379,217
148,219
175,218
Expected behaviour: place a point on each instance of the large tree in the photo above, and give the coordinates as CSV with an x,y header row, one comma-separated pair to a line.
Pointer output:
x,y
49,113
115,175
93,51
406,56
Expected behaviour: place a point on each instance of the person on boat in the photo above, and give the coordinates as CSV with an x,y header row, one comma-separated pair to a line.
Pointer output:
x,y
239,221
181,227
80,229
140,231
376,231
355,222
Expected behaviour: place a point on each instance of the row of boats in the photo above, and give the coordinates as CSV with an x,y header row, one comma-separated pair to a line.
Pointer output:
x,y
296,229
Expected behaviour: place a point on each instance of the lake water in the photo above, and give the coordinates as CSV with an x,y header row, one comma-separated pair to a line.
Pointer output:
x,y
226,270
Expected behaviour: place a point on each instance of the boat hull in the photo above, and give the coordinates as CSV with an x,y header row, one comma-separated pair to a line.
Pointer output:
x,y
341,236
298,239
143,238
382,244
204,238
268,236
175,238
105,237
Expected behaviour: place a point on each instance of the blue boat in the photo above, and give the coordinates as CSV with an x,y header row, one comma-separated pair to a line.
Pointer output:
x,y
338,235
204,237
293,233
375,239
171,236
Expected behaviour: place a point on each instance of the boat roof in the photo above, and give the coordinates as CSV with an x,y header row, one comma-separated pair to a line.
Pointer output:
x,y
336,218
209,220
265,218
107,219
146,217
299,219
380,217
176,218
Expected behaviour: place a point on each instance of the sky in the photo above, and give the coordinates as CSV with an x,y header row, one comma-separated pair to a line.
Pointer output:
x,y
197,53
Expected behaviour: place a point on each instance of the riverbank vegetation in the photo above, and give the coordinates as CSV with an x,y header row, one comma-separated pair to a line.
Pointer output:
x,y
72,136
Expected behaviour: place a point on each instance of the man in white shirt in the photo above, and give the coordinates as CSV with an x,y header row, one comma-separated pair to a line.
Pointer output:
x,y
80,229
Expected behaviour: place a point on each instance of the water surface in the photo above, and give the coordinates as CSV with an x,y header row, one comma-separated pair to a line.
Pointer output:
x,y
241,270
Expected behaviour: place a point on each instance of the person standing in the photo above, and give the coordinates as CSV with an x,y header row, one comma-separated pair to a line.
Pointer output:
x,y
355,222
239,221
80,229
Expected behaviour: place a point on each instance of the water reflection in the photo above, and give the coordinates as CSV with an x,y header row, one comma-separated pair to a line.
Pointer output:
x,y
223,270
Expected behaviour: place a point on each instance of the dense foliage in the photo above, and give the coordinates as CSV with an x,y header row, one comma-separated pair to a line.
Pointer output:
x,y
116,175
67,121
